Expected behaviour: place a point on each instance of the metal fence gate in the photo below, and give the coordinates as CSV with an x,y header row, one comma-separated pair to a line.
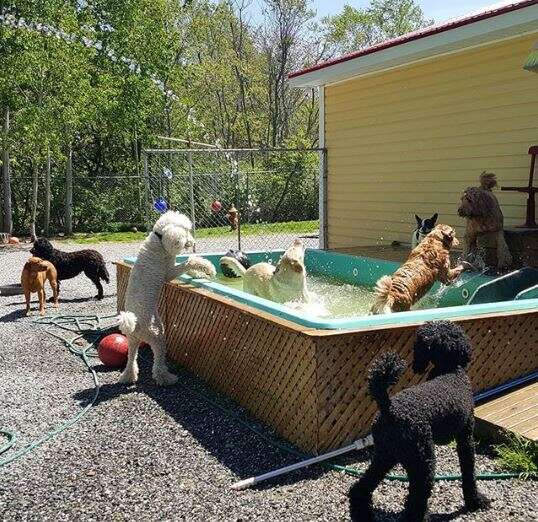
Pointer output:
x,y
252,199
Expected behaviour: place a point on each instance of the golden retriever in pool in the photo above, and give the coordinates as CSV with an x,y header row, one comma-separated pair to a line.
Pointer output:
x,y
427,263
283,283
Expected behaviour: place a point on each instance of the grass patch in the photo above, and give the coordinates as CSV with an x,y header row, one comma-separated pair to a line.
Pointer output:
x,y
290,227
107,237
519,455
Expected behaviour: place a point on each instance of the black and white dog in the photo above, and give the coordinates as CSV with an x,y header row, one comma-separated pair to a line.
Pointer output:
x,y
424,227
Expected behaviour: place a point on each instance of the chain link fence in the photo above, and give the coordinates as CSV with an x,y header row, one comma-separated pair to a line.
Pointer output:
x,y
101,203
251,199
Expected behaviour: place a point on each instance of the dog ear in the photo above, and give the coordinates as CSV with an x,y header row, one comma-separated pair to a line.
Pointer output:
x,y
434,219
421,354
419,220
296,266
442,343
449,237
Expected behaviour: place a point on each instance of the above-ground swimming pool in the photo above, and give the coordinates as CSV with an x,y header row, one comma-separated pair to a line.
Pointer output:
x,y
345,283
306,375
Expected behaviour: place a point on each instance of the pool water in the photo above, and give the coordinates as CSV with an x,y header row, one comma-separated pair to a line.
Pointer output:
x,y
344,284
335,299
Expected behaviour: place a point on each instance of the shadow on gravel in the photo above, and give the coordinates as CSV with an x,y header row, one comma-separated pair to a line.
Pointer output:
x,y
382,515
445,517
15,315
101,368
237,448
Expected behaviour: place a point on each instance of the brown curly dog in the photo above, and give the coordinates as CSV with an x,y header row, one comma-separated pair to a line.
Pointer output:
x,y
484,216
427,263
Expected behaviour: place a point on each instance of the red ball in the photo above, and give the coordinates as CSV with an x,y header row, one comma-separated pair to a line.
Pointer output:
x,y
216,206
112,350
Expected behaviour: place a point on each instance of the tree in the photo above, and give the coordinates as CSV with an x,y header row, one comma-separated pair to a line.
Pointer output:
x,y
356,28
108,77
282,43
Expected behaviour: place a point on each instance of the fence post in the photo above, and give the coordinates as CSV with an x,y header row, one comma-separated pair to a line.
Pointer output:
x,y
69,192
238,203
46,224
6,180
147,192
33,211
191,190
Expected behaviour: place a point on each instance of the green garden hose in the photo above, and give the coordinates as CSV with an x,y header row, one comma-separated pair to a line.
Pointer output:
x,y
89,327
93,331
11,439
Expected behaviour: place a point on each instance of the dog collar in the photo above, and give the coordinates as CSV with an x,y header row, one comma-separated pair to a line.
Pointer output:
x,y
160,236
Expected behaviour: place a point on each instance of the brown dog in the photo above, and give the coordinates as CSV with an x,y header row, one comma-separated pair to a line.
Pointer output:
x,y
483,214
34,274
427,263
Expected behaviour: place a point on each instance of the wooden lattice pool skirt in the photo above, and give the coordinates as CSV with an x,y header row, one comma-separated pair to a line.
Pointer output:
x,y
310,385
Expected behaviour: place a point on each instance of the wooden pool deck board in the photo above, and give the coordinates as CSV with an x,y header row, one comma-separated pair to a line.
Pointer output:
x,y
515,412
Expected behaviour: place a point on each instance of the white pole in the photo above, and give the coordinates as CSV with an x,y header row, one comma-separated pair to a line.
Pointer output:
x,y
357,445
191,193
323,239
179,140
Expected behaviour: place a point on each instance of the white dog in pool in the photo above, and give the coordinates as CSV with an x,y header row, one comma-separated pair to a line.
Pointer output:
x,y
154,266
283,283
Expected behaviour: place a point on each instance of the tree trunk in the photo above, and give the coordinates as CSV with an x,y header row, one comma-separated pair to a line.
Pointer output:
x,y
6,180
46,224
35,182
69,192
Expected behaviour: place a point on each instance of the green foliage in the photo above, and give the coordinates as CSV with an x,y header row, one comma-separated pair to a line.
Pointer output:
x,y
355,28
123,72
519,455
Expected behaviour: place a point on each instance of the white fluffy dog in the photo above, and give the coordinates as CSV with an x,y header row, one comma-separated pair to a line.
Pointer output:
x,y
154,266
285,282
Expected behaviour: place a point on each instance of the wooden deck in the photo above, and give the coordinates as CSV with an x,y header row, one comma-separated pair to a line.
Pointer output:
x,y
515,412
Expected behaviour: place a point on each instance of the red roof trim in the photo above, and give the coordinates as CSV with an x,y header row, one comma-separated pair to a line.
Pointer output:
x,y
417,35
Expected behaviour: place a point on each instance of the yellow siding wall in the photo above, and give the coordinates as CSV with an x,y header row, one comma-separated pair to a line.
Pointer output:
x,y
410,140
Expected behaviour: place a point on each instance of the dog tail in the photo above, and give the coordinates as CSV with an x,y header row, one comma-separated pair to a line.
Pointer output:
x,y
384,372
488,180
383,299
234,265
127,322
103,273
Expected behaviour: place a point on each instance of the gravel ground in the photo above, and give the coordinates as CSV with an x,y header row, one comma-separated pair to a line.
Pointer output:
x,y
148,453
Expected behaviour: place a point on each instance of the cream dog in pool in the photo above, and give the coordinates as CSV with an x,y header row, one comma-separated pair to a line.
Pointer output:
x,y
283,283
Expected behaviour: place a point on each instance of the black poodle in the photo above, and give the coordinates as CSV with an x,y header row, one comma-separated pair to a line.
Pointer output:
x,y
410,423
71,264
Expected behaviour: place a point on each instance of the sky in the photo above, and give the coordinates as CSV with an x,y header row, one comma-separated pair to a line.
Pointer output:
x,y
439,10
